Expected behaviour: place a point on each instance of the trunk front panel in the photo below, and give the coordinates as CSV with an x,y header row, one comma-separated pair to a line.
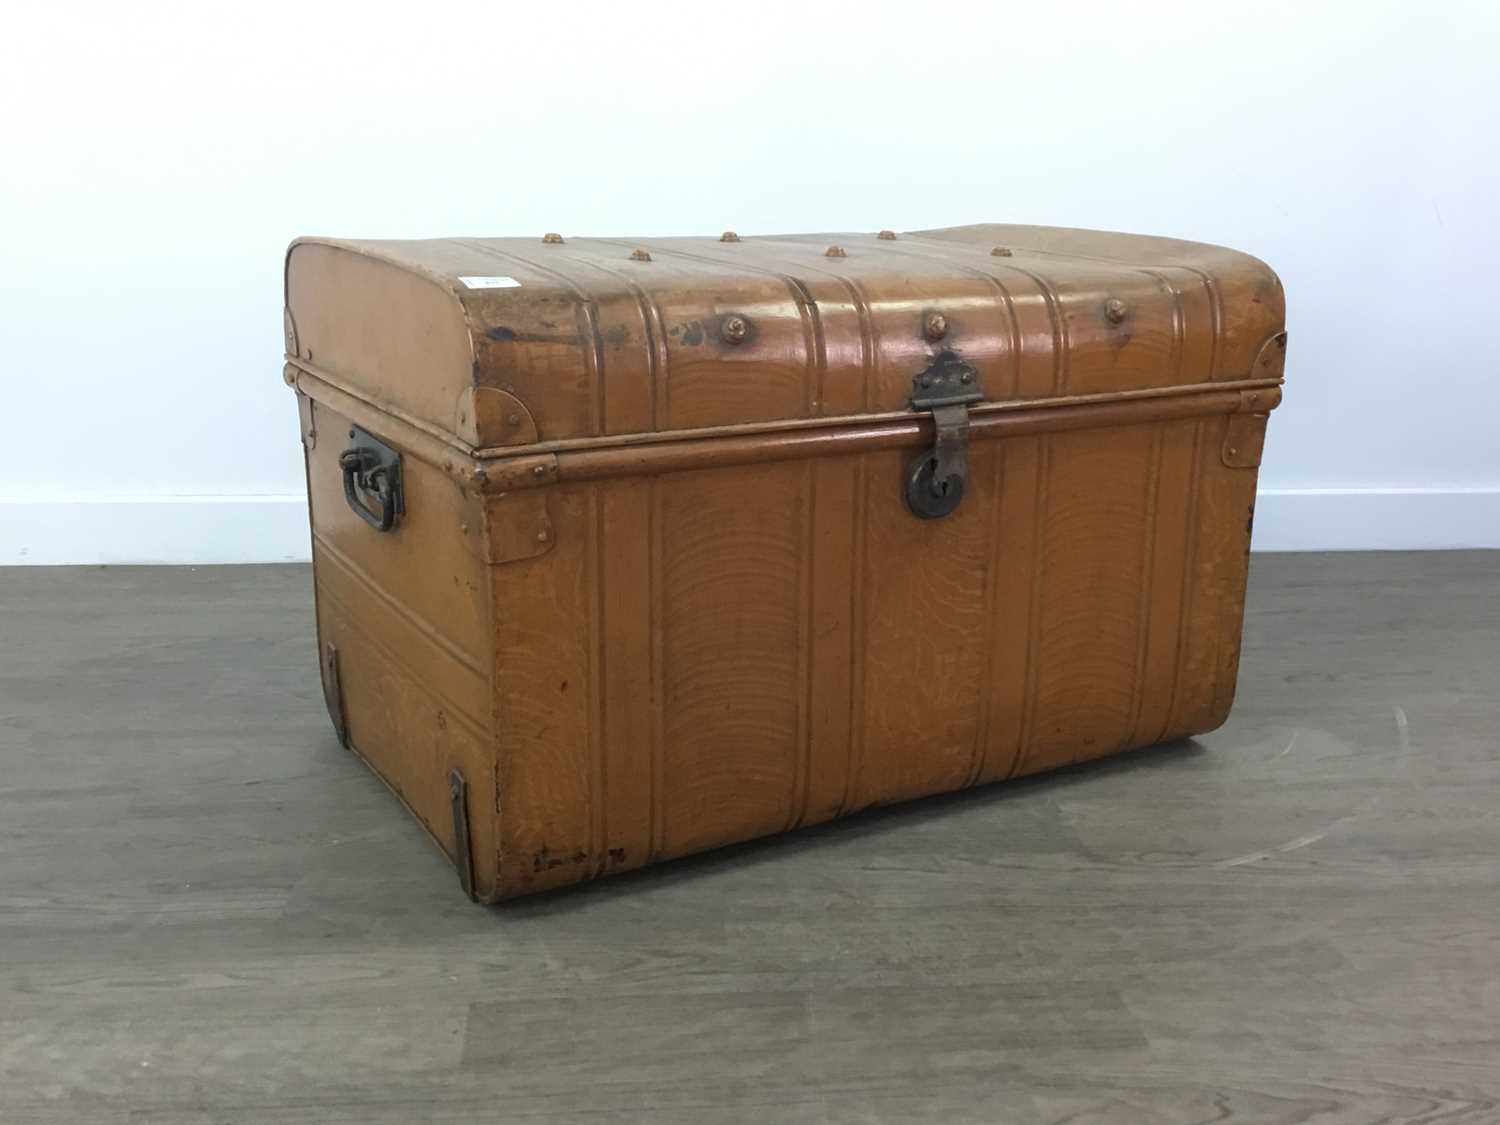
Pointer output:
x,y
712,655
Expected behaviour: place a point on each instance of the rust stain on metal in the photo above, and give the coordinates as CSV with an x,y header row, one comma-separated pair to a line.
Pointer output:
x,y
1270,362
543,859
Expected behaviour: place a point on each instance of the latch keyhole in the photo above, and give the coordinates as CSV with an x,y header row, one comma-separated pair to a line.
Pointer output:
x,y
928,495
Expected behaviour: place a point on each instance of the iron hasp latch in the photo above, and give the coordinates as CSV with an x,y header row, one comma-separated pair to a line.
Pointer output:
x,y
935,480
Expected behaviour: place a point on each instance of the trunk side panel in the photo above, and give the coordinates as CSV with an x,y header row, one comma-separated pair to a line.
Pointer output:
x,y
408,612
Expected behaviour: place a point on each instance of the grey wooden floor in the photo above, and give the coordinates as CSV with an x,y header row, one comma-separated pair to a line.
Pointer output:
x,y
209,912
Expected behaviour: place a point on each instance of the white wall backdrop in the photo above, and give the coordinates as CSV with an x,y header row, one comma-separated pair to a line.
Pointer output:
x,y
157,158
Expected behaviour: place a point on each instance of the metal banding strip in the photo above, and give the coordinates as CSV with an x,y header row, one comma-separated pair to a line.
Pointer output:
x,y
508,468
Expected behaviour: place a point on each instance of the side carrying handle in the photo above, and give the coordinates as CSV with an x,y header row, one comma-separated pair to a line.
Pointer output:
x,y
372,469
935,480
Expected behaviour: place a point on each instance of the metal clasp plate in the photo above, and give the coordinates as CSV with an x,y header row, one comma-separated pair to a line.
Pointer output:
x,y
463,855
935,480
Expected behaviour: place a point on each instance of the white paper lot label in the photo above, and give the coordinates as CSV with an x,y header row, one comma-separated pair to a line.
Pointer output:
x,y
490,282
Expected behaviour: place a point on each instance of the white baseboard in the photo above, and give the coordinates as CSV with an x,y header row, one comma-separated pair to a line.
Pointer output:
x,y
201,530
188,530
1376,519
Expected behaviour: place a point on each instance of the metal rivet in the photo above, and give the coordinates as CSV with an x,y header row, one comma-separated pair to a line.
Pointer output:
x,y
541,536
1114,310
639,256
1001,252
734,328
539,471
835,252
463,528
966,377
729,236
552,237
934,326
1232,451
512,419
887,235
